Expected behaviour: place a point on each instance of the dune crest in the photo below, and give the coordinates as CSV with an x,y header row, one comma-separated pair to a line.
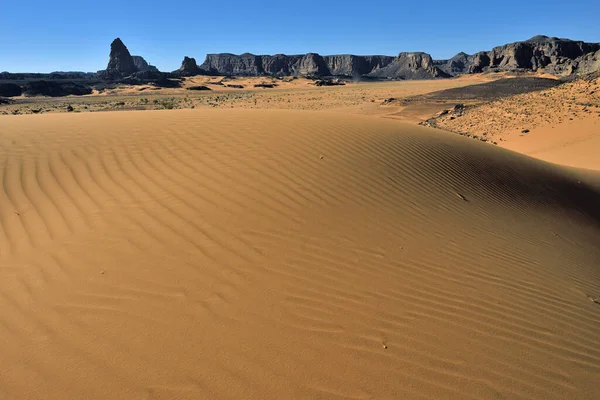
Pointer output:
x,y
260,254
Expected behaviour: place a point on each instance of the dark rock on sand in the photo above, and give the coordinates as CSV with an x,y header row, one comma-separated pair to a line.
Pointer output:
x,y
188,67
10,90
54,89
199,88
120,61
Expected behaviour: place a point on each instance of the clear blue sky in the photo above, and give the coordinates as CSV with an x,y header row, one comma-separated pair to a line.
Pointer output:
x,y
44,36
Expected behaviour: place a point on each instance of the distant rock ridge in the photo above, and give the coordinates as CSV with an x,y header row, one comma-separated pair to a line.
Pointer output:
x,y
404,66
553,55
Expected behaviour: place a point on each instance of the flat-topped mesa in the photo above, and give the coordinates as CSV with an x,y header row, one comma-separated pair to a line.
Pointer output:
x,y
313,64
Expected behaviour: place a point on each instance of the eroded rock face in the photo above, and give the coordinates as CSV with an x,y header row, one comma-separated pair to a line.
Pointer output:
x,y
142,65
456,65
188,67
559,56
411,66
231,64
355,66
589,63
310,64
121,62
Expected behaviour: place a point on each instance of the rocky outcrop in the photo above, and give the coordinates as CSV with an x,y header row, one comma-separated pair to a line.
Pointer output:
x,y
188,67
554,55
231,64
355,66
141,65
411,66
310,64
55,89
10,90
122,64
456,65
120,61
589,63
313,64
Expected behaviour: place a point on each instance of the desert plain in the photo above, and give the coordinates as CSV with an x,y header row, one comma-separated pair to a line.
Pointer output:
x,y
376,240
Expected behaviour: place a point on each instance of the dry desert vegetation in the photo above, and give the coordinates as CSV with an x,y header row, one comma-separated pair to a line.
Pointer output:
x,y
301,243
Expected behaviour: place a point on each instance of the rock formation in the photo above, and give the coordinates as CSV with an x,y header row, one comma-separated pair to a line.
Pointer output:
x,y
589,63
456,65
554,55
10,90
410,66
55,89
120,62
313,64
355,66
141,65
188,67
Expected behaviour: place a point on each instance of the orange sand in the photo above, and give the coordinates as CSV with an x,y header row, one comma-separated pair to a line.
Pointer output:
x,y
256,254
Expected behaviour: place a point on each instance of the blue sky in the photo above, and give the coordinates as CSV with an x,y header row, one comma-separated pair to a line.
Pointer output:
x,y
44,36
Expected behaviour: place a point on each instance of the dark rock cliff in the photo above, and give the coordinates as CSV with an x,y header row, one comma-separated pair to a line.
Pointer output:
x,y
120,62
554,55
355,66
141,65
405,66
411,66
189,67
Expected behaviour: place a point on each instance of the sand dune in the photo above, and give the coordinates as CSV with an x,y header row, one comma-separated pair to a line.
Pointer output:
x,y
560,125
254,254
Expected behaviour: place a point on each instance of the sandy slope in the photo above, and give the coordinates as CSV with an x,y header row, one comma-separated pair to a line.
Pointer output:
x,y
560,125
287,254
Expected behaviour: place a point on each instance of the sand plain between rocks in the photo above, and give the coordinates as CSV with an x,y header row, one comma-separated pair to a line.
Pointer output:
x,y
257,254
